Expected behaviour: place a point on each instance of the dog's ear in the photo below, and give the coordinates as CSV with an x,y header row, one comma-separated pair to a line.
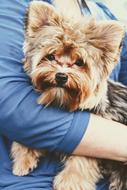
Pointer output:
x,y
107,37
40,14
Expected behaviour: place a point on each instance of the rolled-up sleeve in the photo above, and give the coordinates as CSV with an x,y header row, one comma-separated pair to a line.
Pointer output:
x,y
21,118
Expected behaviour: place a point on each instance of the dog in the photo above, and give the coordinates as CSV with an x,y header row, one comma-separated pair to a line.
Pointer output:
x,y
69,63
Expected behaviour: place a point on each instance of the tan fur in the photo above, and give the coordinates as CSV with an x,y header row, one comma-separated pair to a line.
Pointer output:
x,y
80,173
97,44
24,159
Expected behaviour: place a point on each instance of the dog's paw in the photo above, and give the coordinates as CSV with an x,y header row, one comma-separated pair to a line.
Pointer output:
x,y
20,171
23,168
71,181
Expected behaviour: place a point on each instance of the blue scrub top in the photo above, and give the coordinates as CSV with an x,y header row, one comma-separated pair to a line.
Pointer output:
x,y
21,119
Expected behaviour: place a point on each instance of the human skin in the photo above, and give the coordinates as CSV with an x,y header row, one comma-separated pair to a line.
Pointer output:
x,y
104,139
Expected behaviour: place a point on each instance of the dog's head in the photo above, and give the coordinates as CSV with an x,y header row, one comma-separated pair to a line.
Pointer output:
x,y
68,61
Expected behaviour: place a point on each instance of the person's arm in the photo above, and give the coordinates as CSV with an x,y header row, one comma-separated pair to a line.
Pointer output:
x,y
104,139
26,122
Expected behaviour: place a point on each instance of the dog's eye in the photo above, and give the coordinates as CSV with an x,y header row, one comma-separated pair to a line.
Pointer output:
x,y
50,57
79,62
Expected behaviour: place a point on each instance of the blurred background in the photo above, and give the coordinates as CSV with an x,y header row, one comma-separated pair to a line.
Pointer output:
x,y
119,8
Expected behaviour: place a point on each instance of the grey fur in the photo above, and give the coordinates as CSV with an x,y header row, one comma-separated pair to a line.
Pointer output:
x,y
115,108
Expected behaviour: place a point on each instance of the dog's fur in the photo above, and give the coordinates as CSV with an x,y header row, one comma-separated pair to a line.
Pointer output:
x,y
83,54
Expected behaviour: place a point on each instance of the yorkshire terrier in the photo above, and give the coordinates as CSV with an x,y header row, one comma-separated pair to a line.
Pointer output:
x,y
69,63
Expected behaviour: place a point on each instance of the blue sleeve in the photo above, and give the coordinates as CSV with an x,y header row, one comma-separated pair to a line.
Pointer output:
x,y
21,118
123,70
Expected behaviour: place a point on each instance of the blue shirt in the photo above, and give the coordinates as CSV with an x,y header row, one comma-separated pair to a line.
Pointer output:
x,y
21,119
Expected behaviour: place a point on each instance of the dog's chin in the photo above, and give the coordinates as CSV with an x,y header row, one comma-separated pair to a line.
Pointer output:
x,y
60,96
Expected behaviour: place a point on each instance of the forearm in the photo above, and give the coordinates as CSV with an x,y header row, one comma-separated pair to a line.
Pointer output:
x,y
104,139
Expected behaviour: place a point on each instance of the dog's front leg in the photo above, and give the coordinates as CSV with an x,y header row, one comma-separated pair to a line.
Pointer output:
x,y
80,173
24,159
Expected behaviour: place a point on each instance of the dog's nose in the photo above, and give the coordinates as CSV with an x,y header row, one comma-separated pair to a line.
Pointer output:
x,y
61,78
